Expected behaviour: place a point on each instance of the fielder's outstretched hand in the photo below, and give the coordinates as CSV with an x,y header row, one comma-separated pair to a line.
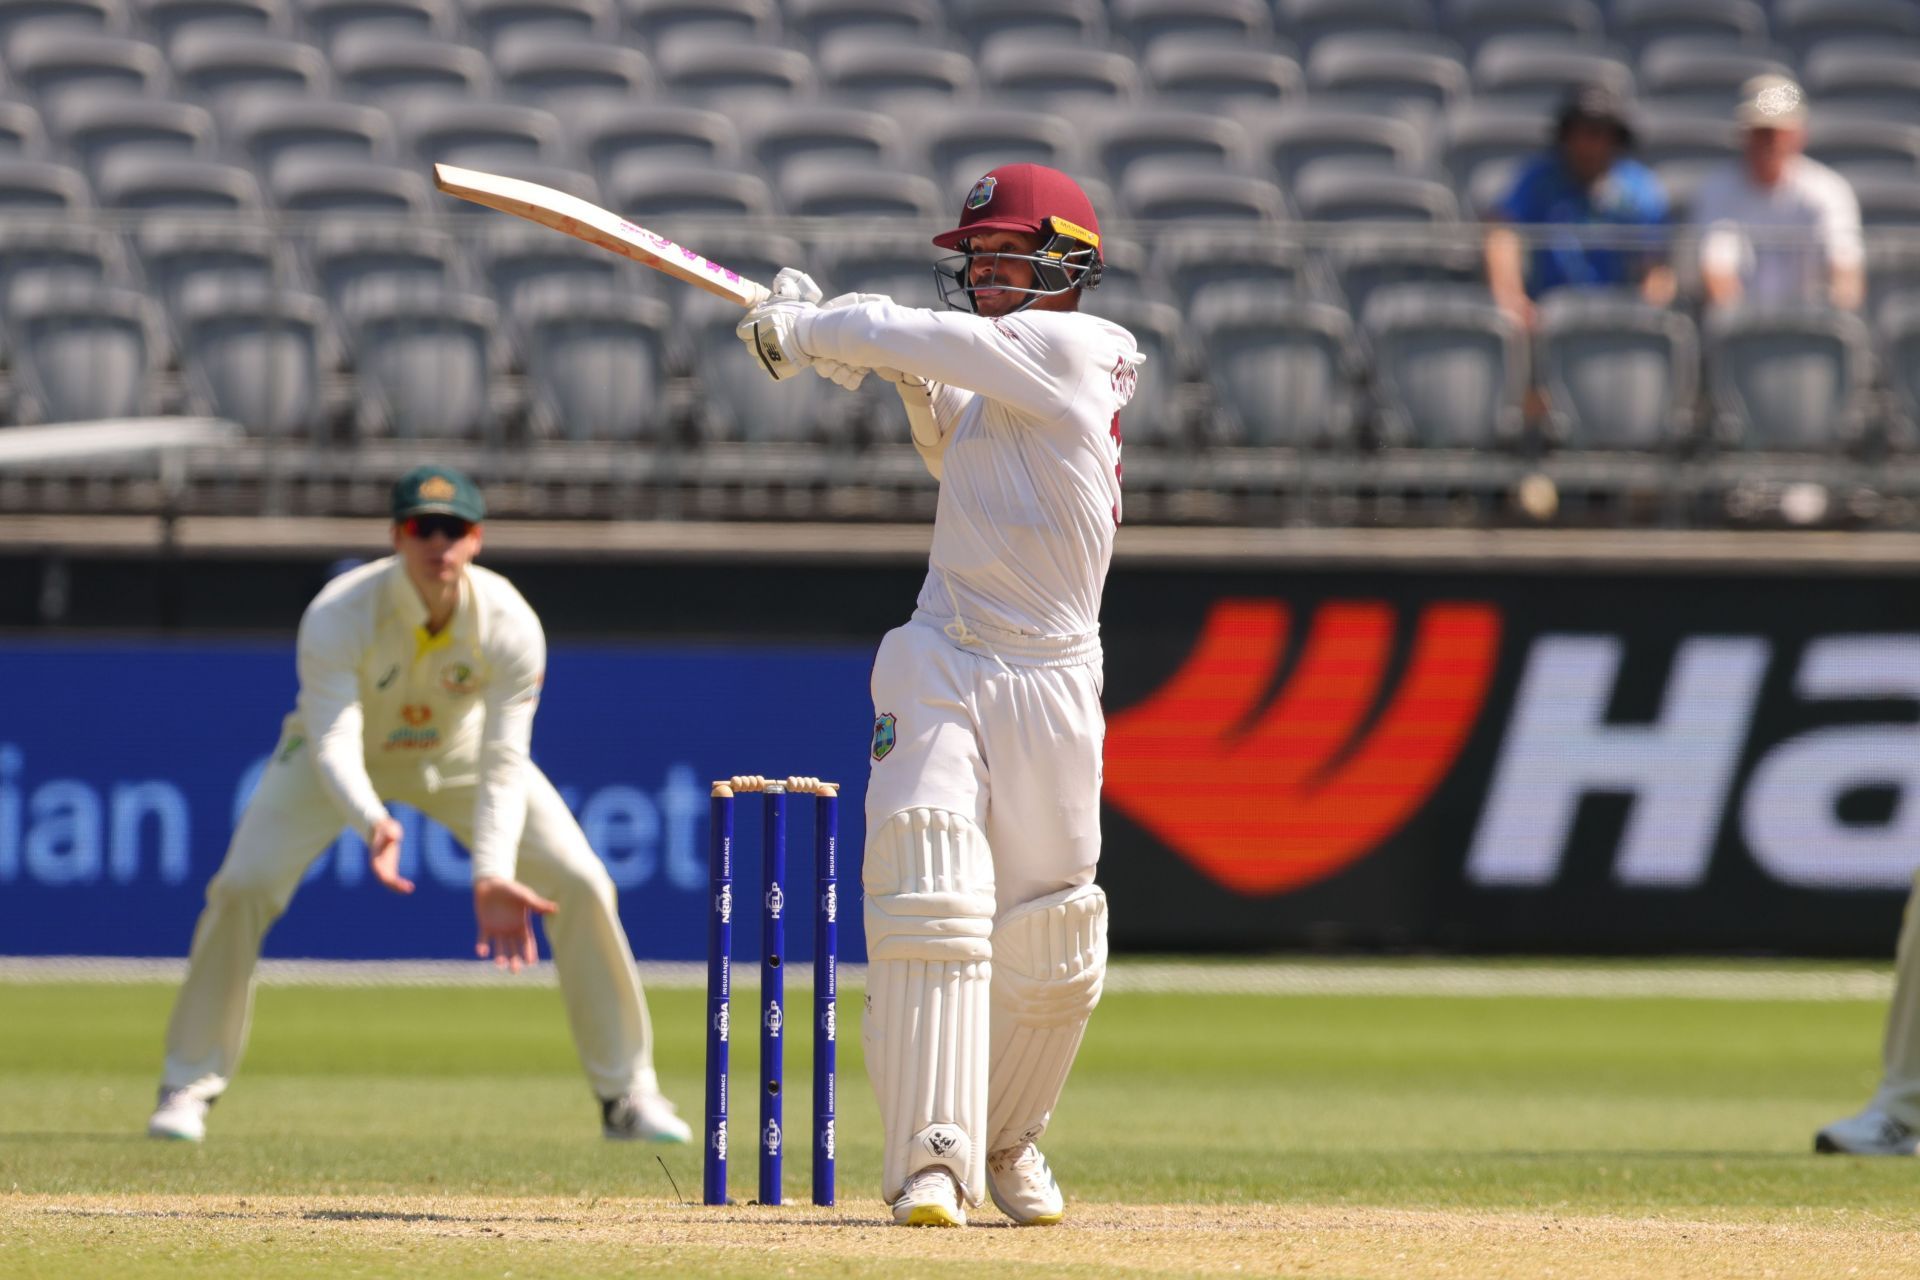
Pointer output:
x,y
504,910
383,854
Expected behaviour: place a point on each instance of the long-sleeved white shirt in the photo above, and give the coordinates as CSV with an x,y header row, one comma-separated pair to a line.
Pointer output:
x,y
1029,407
381,700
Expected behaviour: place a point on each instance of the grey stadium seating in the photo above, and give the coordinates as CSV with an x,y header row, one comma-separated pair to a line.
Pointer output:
x,y
427,361
656,20
1296,135
1804,24
1539,71
1282,369
93,129
561,73
1641,23
41,186
1617,373
163,20
513,258
1392,71
37,257
356,261
256,355
1015,65
1168,191
1882,78
232,64
661,132
1198,263
324,184
1072,21
1186,137
643,187
329,21
1448,370
1787,379
817,20
880,69
149,182
1308,21
267,130
388,67
829,188
492,21
1203,73
1702,77
1146,22
962,144
728,71
782,137
1474,22
83,15
23,134
55,63
84,354
1329,192
1899,335
597,361
176,254
479,135
1477,139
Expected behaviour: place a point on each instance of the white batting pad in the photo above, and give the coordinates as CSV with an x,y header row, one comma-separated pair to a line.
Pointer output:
x,y
929,914
1049,958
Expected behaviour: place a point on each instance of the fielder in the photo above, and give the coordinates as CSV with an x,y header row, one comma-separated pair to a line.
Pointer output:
x,y
419,676
1890,1124
986,936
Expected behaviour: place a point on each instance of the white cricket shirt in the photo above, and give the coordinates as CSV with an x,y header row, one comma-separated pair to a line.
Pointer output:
x,y
1781,242
1029,409
381,699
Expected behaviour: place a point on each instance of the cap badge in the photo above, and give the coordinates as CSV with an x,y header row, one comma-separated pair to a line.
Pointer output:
x,y
436,489
982,192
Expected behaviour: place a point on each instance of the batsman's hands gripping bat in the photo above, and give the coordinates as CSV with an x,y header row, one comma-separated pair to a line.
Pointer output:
x,y
504,910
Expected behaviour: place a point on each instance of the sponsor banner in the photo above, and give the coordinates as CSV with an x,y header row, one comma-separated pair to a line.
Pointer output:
x,y
123,768
1579,762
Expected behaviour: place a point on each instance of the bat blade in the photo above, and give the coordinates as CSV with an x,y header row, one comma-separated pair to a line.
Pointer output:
x,y
600,227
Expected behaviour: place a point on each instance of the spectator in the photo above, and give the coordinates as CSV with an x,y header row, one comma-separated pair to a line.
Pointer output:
x,y
1586,180
1776,227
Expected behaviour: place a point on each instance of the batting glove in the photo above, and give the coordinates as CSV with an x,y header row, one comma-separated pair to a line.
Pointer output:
x,y
768,332
795,284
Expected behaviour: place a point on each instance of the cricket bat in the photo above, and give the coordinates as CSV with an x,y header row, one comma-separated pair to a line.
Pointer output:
x,y
600,227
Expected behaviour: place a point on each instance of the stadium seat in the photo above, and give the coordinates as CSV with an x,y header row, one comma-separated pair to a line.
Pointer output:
x,y
1802,25
898,264
1848,141
23,134
1202,73
268,129
1886,199
1298,134
512,257
230,64
782,136
596,360
256,355
1639,24
1169,191
643,187
91,129
610,132
753,253
1702,77
1199,263
1153,418
560,73
1307,21
725,70
79,15
1444,260
882,69
656,20
1789,379
1893,269
1898,330
1146,22
1690,137
51,62
740,403
1474,22
1193,138
1616,373
327,21
1071,21
83,354
827,187
818,20
967,141
1015,64
148,182
163,20
1880,78
1540,71
426,362
1476,139
1449,370
41,186
478,135
176,253
45,254
1282,370
1330,191
1392,71
491,21
347,185
356,260
389,66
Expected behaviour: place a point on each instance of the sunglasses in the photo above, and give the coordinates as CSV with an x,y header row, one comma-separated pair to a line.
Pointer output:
x,y
424,527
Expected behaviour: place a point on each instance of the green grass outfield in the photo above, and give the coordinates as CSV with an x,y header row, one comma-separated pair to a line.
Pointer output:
x,y
1274,1118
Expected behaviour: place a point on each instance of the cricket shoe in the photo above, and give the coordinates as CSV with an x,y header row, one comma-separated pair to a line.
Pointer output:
x,y
1871,1133
1023,1187
931,1198
642,1117
180,1116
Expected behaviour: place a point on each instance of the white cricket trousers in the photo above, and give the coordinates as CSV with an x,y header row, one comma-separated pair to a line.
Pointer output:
x,y
290,821
1899,1094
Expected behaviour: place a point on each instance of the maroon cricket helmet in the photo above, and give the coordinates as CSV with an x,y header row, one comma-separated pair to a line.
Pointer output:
x,y
1025,197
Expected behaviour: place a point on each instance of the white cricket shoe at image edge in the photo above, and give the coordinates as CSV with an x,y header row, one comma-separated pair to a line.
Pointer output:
x,y
1871,1133
180,1116
642,1117
931,1198
1023,1186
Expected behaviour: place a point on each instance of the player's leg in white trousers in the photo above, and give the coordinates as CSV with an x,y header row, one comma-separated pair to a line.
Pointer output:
x,y
606,1007
1890,1124
964,1049
287,823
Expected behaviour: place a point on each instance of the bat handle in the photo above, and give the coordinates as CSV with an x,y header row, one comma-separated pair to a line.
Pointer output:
x,y
760,293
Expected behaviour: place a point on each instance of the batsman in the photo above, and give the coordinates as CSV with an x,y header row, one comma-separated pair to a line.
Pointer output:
x,y
419,677
986,936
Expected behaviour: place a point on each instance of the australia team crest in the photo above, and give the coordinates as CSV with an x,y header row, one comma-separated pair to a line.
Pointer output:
x,y
883,735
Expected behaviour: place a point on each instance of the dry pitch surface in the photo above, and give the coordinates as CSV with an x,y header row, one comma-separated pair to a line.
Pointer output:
x,y
351,1236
